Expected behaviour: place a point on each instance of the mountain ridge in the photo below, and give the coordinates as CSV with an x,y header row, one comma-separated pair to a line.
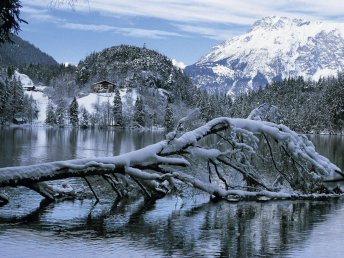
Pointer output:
x,y
22,52
273,49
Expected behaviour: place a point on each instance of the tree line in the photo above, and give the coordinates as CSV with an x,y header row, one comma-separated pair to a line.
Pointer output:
x,y
15,106
306,106
135,114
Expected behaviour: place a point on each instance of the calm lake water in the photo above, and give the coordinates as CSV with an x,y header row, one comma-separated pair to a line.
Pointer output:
x,y
171,227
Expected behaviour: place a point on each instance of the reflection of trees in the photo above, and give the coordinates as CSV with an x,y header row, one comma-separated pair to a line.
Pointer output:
x,y
117,142
73,140
11,153
220,229
334,147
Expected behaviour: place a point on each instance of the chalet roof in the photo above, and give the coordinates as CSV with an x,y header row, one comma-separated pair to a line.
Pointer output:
x,y
104,81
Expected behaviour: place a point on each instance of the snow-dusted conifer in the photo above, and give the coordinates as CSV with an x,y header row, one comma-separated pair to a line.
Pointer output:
x,y
74,113
84,123
117,109
31,110
50,116
139,116
17,97
169,120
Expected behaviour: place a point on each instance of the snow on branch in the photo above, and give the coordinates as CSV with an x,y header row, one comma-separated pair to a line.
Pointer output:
x,y
224,157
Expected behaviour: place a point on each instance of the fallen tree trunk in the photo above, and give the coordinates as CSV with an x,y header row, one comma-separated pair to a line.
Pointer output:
x,y
249,158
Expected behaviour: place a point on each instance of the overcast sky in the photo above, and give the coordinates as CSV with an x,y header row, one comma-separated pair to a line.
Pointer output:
x,y
183,30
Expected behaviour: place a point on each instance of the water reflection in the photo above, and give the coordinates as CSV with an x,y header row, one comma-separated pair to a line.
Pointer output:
x,y
175,227
24,146
330,146
188,227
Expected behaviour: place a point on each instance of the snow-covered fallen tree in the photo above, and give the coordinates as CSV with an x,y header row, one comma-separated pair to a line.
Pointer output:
x,y
226,157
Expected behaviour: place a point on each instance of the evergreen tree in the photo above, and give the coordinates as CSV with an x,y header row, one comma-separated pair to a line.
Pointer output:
x,y
15,101
10,20
84,123
10,71
31,110
155,119
117,109
139,115
50,116
169,120
61,112
4,103
74,113
60,116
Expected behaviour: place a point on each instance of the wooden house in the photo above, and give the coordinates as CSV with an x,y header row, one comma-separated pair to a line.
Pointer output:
x,y
103,86
19,120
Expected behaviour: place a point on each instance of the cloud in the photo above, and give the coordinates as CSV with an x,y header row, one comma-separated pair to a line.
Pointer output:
x,y
216,19
208,32
158,34
132,32
88,27
40,15
205,11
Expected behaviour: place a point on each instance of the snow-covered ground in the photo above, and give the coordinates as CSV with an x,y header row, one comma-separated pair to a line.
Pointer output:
x,y
24,79
89,102
42,103
38,95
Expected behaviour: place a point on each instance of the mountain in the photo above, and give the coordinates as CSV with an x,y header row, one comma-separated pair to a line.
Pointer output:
x,y
273,49
141,75
134,67
21,53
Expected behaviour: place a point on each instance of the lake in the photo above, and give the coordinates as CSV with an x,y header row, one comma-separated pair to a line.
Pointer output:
x,y
185,226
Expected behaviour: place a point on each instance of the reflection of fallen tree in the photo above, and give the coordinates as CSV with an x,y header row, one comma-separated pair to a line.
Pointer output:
x,y
249,159
244,229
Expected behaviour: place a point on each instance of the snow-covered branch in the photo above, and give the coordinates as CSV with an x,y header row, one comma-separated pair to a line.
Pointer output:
x,y
240,157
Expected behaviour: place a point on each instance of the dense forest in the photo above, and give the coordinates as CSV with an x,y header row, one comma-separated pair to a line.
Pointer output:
x,y
15,106
21,52
306,106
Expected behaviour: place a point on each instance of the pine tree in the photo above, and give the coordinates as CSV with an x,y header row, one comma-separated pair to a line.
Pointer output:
x,y
50,116
117,109
17,94
139,115
10,19
84,123
60,116
31,110
155,119
169,120
4,96
74,113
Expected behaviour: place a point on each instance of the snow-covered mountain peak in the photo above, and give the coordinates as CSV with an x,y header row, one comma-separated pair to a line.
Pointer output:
x,y
274,34
275,23
273,49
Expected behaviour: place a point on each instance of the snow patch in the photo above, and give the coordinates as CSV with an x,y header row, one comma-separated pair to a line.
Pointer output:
x,y
221,70
90,101
24,79
323,73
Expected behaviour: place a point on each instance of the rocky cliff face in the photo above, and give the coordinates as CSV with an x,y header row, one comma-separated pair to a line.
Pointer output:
x,y
273,49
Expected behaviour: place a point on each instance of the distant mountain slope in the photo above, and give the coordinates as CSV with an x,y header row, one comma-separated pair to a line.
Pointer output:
x,y
274,48
22,52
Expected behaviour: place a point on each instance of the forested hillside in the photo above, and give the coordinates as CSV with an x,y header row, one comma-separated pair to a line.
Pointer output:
x,y
21,52
15,106
305,106
153,91
134,67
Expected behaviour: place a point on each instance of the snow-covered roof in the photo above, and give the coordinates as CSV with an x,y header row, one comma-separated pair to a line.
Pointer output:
x,y
103,82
